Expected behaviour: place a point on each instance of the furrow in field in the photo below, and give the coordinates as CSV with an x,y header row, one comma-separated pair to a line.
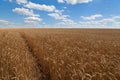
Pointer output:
x,y
44,75
16,62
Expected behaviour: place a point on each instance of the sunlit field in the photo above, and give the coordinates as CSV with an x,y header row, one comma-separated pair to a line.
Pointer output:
x,y
59,54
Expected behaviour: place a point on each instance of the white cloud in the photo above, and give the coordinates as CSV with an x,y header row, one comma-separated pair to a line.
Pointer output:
x,y
32,22
58,16
74,1
66,23
43,7
69,21
116,17
61,1
24,11
117,24
108,20
64,7
102,23
92,17
4,22
111,22
64,20
32,18
20,1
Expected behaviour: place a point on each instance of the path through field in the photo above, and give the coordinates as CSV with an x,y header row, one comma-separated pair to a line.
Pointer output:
x,y
17,61
59,54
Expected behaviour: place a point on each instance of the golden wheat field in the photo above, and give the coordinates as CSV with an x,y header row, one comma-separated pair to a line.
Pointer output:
x,y
59,54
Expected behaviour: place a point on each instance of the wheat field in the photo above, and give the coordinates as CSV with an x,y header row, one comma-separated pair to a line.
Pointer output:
x,y
59,54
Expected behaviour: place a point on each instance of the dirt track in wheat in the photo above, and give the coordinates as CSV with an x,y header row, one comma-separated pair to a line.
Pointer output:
x,y
59,54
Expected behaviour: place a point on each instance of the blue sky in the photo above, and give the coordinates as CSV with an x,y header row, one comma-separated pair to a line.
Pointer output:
x,y
60,13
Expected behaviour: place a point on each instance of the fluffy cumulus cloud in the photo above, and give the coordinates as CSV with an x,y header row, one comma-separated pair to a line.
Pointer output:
x,y
43,7
20,1
64,19
92,17
74,1
58,16
24,11
31,18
